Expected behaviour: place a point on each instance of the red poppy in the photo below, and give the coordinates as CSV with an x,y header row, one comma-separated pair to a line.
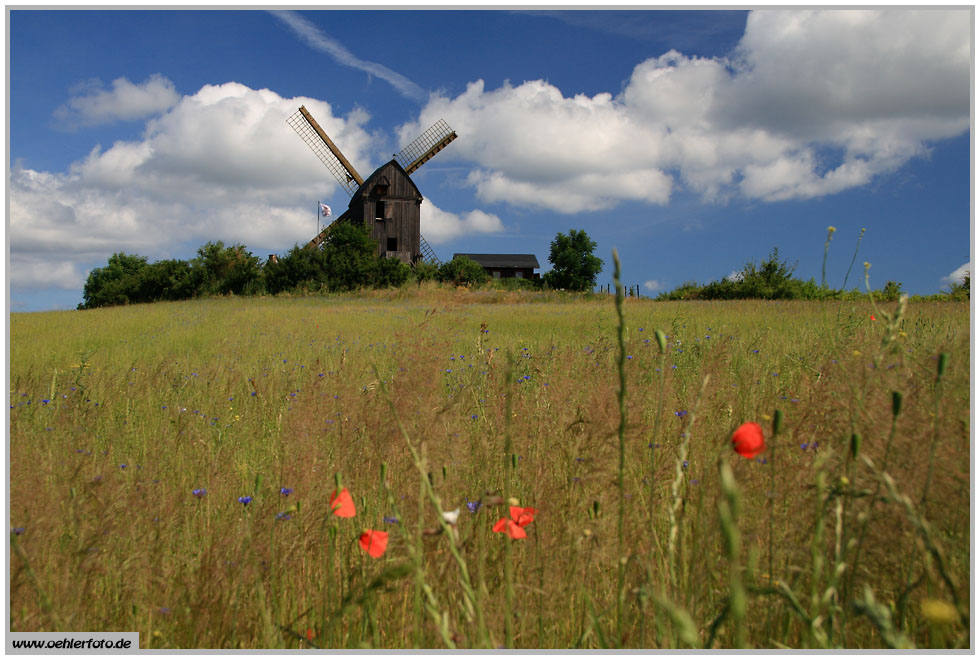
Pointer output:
x,y
748,440
310,634
342,505
873,318
512,529
522,517
374,542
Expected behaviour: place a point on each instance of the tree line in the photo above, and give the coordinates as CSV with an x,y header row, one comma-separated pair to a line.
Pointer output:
x,y
772,279
345,261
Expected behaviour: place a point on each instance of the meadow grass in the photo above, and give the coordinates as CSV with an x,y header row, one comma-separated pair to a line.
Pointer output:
x,y
852,530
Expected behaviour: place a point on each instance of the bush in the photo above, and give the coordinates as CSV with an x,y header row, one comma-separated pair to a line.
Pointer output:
x,y
231,269
173,279
425,271
118,283
960,291
301,267
392,272
351,257
462,270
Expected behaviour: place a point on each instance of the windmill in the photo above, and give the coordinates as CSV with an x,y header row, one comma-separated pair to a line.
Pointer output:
x,y
388,203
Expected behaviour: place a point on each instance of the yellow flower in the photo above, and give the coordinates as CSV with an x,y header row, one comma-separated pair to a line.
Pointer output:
x,y
939,611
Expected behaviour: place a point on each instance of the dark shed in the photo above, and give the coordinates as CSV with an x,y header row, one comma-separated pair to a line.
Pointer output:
x,y
506,265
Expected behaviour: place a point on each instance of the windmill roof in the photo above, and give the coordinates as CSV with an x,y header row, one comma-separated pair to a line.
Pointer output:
x,y
502,260
369,182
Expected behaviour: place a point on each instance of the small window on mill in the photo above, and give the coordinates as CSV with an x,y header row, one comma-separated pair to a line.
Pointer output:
x,y
392,244
379,210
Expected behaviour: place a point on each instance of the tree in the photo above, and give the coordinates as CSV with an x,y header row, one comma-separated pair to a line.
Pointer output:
x,y
573,266
231,269
462,270
118,283
351,257
302,266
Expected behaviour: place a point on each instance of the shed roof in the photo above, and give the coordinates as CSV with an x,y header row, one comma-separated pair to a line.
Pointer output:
x,y
502,260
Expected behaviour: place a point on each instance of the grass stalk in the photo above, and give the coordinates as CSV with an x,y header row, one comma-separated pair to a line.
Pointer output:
x,y
621,465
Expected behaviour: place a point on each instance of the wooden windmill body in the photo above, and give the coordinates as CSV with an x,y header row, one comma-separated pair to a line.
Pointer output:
x,y
387,203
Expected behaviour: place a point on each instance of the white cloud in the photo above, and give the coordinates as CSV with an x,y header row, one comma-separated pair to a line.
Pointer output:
x,y
959,275
125,101
735,276
811,103
652,285
221,164
30,273
440,226
315,39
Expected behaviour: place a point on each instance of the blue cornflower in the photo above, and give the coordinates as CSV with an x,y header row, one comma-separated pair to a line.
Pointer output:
x,y
390,520
629,357
473,506
245,500
199,493
285,491
803,446
684,465
673,366
18,530
681,413
474,416
122,466
280,516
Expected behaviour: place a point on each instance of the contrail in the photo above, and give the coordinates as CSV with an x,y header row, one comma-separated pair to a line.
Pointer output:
x,y
321,42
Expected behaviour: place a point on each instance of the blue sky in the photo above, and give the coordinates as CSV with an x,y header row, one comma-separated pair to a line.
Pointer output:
x,y
690,141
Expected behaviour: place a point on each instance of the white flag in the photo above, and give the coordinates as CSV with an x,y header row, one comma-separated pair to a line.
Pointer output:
x,y
325,210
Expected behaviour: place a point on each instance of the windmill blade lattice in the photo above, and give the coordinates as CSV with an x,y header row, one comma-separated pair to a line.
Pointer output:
x,y
428,254
425,146
307,128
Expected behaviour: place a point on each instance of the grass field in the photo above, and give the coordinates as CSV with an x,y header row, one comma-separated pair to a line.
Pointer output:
x,y
138,433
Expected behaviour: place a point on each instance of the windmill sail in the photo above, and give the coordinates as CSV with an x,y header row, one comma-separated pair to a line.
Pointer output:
x,y
425,146
428,254
303,123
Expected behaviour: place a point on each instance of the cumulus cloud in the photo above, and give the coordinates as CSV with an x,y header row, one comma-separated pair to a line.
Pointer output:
x,y
93,104
221,164
653,285
439,226
317,40
811,103
959,275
